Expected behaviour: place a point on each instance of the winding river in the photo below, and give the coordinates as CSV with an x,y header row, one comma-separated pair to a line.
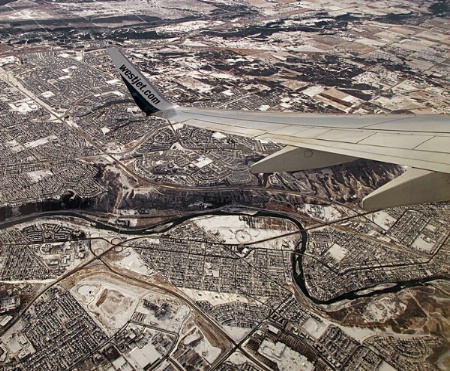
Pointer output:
x,y
297,259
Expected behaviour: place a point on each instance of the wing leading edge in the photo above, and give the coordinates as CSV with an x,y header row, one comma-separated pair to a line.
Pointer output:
x,y
421,142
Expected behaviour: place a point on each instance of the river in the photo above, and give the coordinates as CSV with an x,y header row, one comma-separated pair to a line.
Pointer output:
x,y
297,259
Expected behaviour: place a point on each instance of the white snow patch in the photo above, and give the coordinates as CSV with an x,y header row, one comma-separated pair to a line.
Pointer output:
x,y
383,309
119,363
215,298
48,94
202,162
177,147
203,347
189,42
314,328
40,142
15,146
113,82
359,333
188,26
237,333
423,243
234,230
228,92
386,367
177,126
23,106
237,358
111,302
218,135
325,213
313,90
383,219
133,262
38,175
194,84
286,358
337,252
140,358
8,60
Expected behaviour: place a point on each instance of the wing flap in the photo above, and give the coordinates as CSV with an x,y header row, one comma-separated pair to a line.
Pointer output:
x,y
428,160
294,159
412,187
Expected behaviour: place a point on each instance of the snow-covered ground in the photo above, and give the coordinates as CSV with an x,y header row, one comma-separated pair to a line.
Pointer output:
x,y
174,318
14,343
37,175
215,298
237,358
324,213
236,333
383,309
110,301
23,106
314,328
198,341
132,261
233,230
422,243
286,358
337,252
141,357
383,219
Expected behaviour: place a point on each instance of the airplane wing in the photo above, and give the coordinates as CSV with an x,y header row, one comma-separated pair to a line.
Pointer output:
x,y
421,142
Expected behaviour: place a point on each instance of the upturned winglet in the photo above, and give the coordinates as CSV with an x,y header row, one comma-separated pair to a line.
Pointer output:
x,y
148,98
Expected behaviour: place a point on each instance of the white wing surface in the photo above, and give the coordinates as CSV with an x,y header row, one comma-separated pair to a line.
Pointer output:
x,y
417,141
421,142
